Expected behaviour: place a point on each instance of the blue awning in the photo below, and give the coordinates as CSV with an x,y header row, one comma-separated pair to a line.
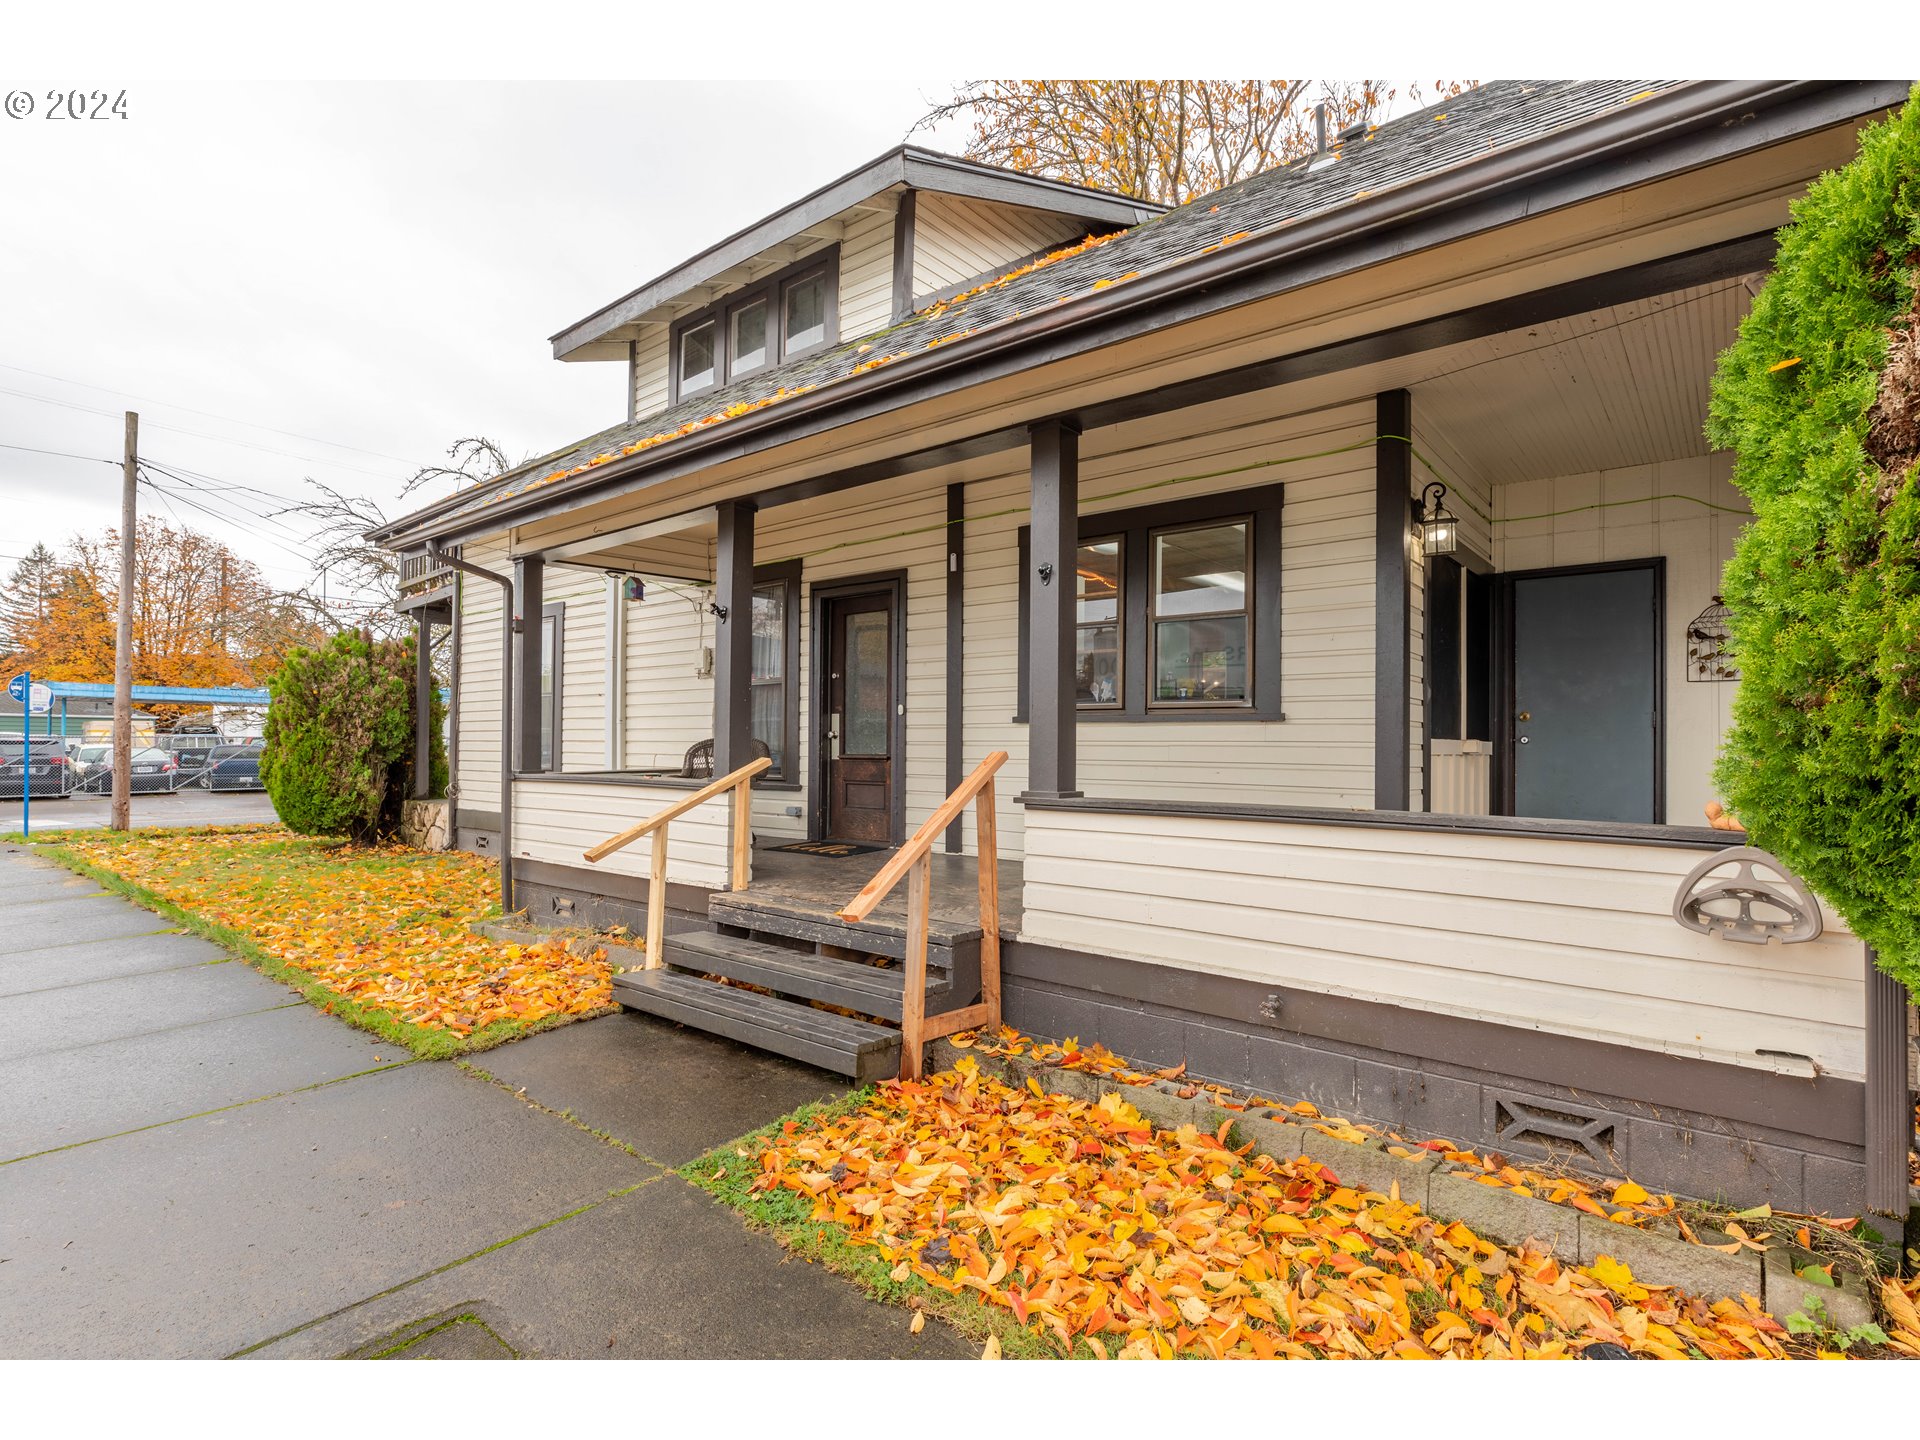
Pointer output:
x,y
160,694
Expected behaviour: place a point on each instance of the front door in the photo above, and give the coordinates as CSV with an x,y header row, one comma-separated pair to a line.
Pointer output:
x,y
859,736
1584,730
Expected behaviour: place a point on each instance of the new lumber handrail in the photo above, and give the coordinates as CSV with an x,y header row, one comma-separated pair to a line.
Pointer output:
x,y
913,862
740,782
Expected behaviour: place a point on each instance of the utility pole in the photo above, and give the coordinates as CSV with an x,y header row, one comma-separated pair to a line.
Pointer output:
x,y
120,816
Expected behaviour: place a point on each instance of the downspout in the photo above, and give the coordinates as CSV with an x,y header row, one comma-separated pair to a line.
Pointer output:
x,y
506,712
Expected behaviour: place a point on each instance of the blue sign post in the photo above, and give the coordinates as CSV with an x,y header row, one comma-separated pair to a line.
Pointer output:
x,y
20,688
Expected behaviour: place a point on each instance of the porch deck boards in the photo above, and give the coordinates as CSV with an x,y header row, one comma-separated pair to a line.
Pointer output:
x,y
814,887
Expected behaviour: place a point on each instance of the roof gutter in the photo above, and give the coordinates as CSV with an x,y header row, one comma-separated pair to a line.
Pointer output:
x,y
1187,289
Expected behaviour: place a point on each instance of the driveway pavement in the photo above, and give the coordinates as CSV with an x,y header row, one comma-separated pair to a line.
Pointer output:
x,y
195,1164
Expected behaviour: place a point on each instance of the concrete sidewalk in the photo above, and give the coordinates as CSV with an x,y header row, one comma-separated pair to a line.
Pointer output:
x,y
195,1164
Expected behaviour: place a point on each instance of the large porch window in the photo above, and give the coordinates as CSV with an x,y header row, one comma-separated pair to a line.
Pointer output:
x,y
1176,610
775,699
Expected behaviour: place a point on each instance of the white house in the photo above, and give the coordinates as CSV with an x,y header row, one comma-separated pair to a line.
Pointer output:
x,y
1335,557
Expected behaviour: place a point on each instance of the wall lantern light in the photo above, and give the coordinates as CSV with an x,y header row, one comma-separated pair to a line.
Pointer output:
x,y
1439,528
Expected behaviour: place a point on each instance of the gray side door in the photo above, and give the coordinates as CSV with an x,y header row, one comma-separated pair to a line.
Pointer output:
x,y
1585,734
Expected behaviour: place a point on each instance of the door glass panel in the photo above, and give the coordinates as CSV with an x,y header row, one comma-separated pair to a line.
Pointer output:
x,y
769,688
549,638
868,694
1201,661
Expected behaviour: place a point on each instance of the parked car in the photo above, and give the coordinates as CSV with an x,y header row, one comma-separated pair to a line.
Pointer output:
x,y
155,772
232,767
89,761
51,771
191,748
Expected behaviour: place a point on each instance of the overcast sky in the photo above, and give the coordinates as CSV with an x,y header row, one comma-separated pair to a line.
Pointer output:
x,y
367,270
330,241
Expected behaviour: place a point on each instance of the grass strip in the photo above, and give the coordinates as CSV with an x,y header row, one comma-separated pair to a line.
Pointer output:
x,y
424,1043
727,1175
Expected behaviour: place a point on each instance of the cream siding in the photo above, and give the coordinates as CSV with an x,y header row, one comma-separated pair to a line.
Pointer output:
x,y
477,779
583,665
866,274
555,821
1568,937
1686,510
669,701
650,391
956,240
1322,753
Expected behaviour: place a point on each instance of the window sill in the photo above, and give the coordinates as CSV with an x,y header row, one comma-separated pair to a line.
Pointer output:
x,y
1169,717
671,781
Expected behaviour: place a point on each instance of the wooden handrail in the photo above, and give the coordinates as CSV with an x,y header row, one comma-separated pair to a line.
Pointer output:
x,y
677,809
891,873
739,781
914,863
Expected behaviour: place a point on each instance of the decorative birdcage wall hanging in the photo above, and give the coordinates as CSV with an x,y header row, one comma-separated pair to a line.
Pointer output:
x,y
1708,637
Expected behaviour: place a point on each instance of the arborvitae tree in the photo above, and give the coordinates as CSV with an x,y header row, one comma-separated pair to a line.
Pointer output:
x,y
1820,401
25,600
340,737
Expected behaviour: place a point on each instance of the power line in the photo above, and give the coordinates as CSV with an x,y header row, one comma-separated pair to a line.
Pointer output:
x,y
212,415
201,434
63,454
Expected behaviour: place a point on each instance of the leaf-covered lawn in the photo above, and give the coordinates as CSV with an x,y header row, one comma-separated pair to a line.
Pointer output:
x,y
381,935
1101,1236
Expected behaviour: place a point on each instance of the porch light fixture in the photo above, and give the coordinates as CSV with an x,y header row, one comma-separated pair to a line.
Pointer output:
x,y
1439,527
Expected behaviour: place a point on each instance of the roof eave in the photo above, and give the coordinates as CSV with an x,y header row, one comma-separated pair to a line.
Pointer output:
x,y
1689,107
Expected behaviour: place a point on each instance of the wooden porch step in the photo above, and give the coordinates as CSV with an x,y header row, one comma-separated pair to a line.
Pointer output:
x,y
866,988
855,1048
817,924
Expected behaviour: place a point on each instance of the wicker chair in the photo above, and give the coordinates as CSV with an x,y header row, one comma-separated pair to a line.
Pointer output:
x,y
699,762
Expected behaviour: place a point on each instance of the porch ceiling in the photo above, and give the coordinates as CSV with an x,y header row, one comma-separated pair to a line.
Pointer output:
x,y
1623,385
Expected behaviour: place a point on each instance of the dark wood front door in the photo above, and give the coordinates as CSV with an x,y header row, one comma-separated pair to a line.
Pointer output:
x,y
858,733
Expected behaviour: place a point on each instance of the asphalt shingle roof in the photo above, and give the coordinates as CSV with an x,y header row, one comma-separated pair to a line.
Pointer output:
x,y
1466,128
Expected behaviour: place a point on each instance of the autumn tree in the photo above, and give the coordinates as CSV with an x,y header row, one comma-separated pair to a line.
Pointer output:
x,y
29,590
1161,140
202,615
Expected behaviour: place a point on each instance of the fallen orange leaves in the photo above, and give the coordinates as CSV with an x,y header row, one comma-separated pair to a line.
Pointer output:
x,y
383,925
1090,1227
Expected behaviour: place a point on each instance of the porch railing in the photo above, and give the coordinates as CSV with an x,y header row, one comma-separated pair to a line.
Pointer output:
x,y
914,863
740,782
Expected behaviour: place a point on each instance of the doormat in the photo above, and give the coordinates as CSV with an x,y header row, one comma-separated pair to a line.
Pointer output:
x,y
831,849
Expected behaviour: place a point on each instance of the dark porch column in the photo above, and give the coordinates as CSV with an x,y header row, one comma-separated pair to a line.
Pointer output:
x,y
1889,1116
529,602
1055,485
1392,598
733,637
422,704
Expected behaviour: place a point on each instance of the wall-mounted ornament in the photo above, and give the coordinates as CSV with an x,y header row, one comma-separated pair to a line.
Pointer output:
x,y
1707,640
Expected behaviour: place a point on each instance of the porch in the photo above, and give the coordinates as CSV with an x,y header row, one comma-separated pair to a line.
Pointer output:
x,y
1301,849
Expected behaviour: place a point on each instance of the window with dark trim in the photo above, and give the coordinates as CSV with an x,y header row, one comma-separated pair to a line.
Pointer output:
x,y
774,319
553,630
774,687
1177,612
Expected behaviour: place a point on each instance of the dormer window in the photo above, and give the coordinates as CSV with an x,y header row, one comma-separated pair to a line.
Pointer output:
x,y
774,319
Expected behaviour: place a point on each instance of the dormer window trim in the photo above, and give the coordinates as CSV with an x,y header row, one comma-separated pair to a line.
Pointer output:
x,y
715,325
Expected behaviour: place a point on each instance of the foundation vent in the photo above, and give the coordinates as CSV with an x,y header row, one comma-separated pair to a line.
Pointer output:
x,y
1558,1130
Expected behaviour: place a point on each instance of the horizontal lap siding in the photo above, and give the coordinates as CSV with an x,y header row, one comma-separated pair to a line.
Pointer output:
x,y
555,821
583,665
1562,936
957,240
477,780
866,275
650,392
669,704
1322,753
